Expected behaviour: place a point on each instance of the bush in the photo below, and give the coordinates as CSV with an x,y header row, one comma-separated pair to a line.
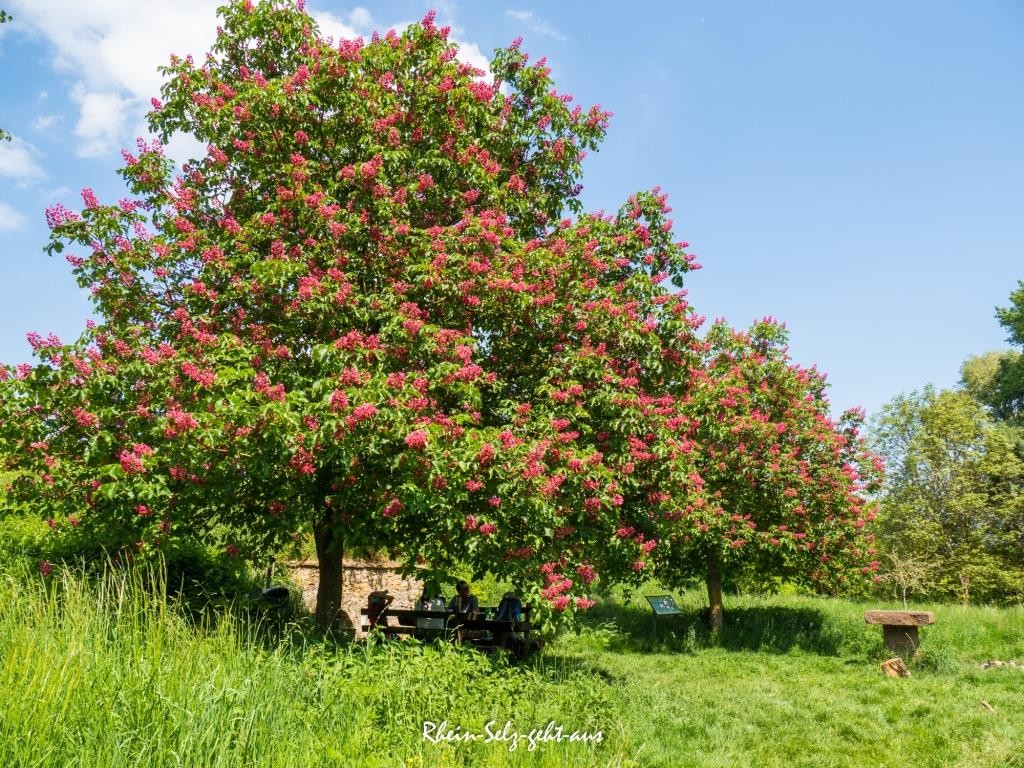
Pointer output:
x,y
23,541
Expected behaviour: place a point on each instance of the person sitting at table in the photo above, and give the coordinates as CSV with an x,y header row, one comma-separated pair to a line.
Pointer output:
x,y
465,604
430,600
376,605
510,608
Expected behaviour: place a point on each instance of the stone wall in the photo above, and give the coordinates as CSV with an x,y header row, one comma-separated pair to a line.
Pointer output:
x,y
360,578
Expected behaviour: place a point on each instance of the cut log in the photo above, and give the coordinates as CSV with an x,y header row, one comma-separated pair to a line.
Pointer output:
x,y
895,668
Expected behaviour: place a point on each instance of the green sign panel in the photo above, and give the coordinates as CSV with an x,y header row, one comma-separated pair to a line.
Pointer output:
x,y
663,605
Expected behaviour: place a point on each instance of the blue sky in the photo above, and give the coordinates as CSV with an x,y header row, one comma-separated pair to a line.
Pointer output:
x,y
853,169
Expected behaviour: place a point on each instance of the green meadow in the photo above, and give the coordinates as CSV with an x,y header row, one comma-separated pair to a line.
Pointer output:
x,y
110,671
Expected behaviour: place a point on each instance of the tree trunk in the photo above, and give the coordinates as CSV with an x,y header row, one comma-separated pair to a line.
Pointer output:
x,y
714,581
330,549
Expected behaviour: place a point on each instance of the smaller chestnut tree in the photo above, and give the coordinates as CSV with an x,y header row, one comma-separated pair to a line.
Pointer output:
x,y
771,485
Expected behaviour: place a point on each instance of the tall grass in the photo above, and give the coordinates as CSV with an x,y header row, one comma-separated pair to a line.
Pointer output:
x,y
110,673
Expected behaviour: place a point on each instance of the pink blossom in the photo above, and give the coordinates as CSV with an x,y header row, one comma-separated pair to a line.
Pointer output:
x,y
417,439
263,387
584,603
486,454
131,463
339,400
488,529
84,418
202,376
303,462
587,573
58,214
180,421
364,411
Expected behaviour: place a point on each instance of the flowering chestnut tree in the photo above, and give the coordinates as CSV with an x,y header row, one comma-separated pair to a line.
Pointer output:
x,y
771,485
363,314
375,310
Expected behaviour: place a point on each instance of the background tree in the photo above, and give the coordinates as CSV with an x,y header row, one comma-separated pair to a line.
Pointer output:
x,y
996,379
908,573
359,314
954,495
4,18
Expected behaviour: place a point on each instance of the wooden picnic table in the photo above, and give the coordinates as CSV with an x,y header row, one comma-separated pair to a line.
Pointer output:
x,y
482,633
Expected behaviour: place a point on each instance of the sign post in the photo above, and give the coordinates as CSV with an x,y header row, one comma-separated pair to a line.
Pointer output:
x,y
662,605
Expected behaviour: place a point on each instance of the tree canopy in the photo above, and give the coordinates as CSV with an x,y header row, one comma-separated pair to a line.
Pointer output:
x,y
376,310
4,18
954,500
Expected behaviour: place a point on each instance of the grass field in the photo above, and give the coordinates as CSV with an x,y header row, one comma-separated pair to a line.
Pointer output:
x,y
103,674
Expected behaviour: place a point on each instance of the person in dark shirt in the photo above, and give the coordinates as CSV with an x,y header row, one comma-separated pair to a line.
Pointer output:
x,y
465,604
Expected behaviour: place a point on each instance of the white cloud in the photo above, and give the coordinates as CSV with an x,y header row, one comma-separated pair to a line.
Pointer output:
x,y
10,219
118,44
360,18
358,22
57,193
18,160
334,27
113,48
100,122
471,54
45,122
182,147
536,24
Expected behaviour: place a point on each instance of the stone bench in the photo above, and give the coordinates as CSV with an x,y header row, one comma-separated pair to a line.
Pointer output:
x,y
899,628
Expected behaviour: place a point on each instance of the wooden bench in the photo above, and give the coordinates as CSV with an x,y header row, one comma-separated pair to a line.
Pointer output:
x,y
485,634
899,628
